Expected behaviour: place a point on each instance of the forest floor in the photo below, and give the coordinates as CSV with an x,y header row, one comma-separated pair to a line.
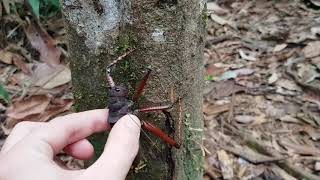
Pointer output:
x,y
262,101
262,96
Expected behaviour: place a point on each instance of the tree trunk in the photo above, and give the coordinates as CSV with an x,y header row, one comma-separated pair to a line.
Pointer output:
x,y
167,36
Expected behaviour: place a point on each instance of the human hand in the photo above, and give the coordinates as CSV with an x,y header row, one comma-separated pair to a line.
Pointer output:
x,y
29,151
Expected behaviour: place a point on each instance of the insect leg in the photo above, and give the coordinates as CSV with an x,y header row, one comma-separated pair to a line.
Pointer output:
x,y
159,133
141,86
158,108
155,108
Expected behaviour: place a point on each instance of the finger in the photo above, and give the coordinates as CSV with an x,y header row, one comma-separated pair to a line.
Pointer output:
x,y
20,131
120,150
82,149
65,130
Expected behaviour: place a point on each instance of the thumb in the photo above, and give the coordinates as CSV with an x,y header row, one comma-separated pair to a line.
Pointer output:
x,y
120,150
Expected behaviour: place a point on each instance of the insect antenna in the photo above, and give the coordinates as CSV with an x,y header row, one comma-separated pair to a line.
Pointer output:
x,y
109,78
119,58
109,67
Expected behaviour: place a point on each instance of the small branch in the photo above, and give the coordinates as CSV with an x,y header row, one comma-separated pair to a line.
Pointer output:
x,y
254,158
233,97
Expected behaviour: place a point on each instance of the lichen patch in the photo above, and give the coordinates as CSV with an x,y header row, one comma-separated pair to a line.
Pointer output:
x,y
158,35
97,21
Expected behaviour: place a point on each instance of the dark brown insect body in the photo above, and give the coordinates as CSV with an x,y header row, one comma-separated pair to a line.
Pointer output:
x,y
120,105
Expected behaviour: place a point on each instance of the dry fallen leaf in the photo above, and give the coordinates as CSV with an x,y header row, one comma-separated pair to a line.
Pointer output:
x,y
299,148
214,70
312,132
226,165
49,77
244,119
54,91
223,89
70,162
316,2
214,7
44,76
290,119
282,173
279,47
44,43
27,107
6,56
212,109
260,119
249,56
287,84
247,119
235,73
55,109
315,31
273,78
317,166
307,72
220,20
19,62
312,49
274,111
21,79
316,61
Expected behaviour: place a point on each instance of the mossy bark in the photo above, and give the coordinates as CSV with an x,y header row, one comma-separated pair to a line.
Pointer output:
x,y
167,36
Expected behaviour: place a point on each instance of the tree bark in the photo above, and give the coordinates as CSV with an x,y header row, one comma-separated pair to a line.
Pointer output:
x,y
168,37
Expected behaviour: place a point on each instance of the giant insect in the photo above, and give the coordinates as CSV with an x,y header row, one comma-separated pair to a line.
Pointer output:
x,y
120,105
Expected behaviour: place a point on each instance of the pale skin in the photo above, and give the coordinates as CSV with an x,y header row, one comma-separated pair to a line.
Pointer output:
x,y
29,151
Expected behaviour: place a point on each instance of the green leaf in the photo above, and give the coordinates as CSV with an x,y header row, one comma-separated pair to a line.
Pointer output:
x,y
55,3
49,8
209,78
4,94
35,5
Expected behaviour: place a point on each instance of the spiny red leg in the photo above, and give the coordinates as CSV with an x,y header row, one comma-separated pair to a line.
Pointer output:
x,y
159,133
155,108
158,108
141,86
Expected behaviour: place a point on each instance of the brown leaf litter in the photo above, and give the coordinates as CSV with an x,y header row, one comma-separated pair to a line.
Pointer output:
x,y
264,124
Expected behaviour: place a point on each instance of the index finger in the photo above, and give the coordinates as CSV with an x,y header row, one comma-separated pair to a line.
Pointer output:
x,y
71,128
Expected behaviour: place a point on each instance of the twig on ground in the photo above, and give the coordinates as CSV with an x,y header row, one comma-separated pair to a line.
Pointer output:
x,y
230,115
254,158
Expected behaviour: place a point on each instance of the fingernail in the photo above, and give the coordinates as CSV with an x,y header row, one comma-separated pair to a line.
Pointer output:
x,y
130,122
